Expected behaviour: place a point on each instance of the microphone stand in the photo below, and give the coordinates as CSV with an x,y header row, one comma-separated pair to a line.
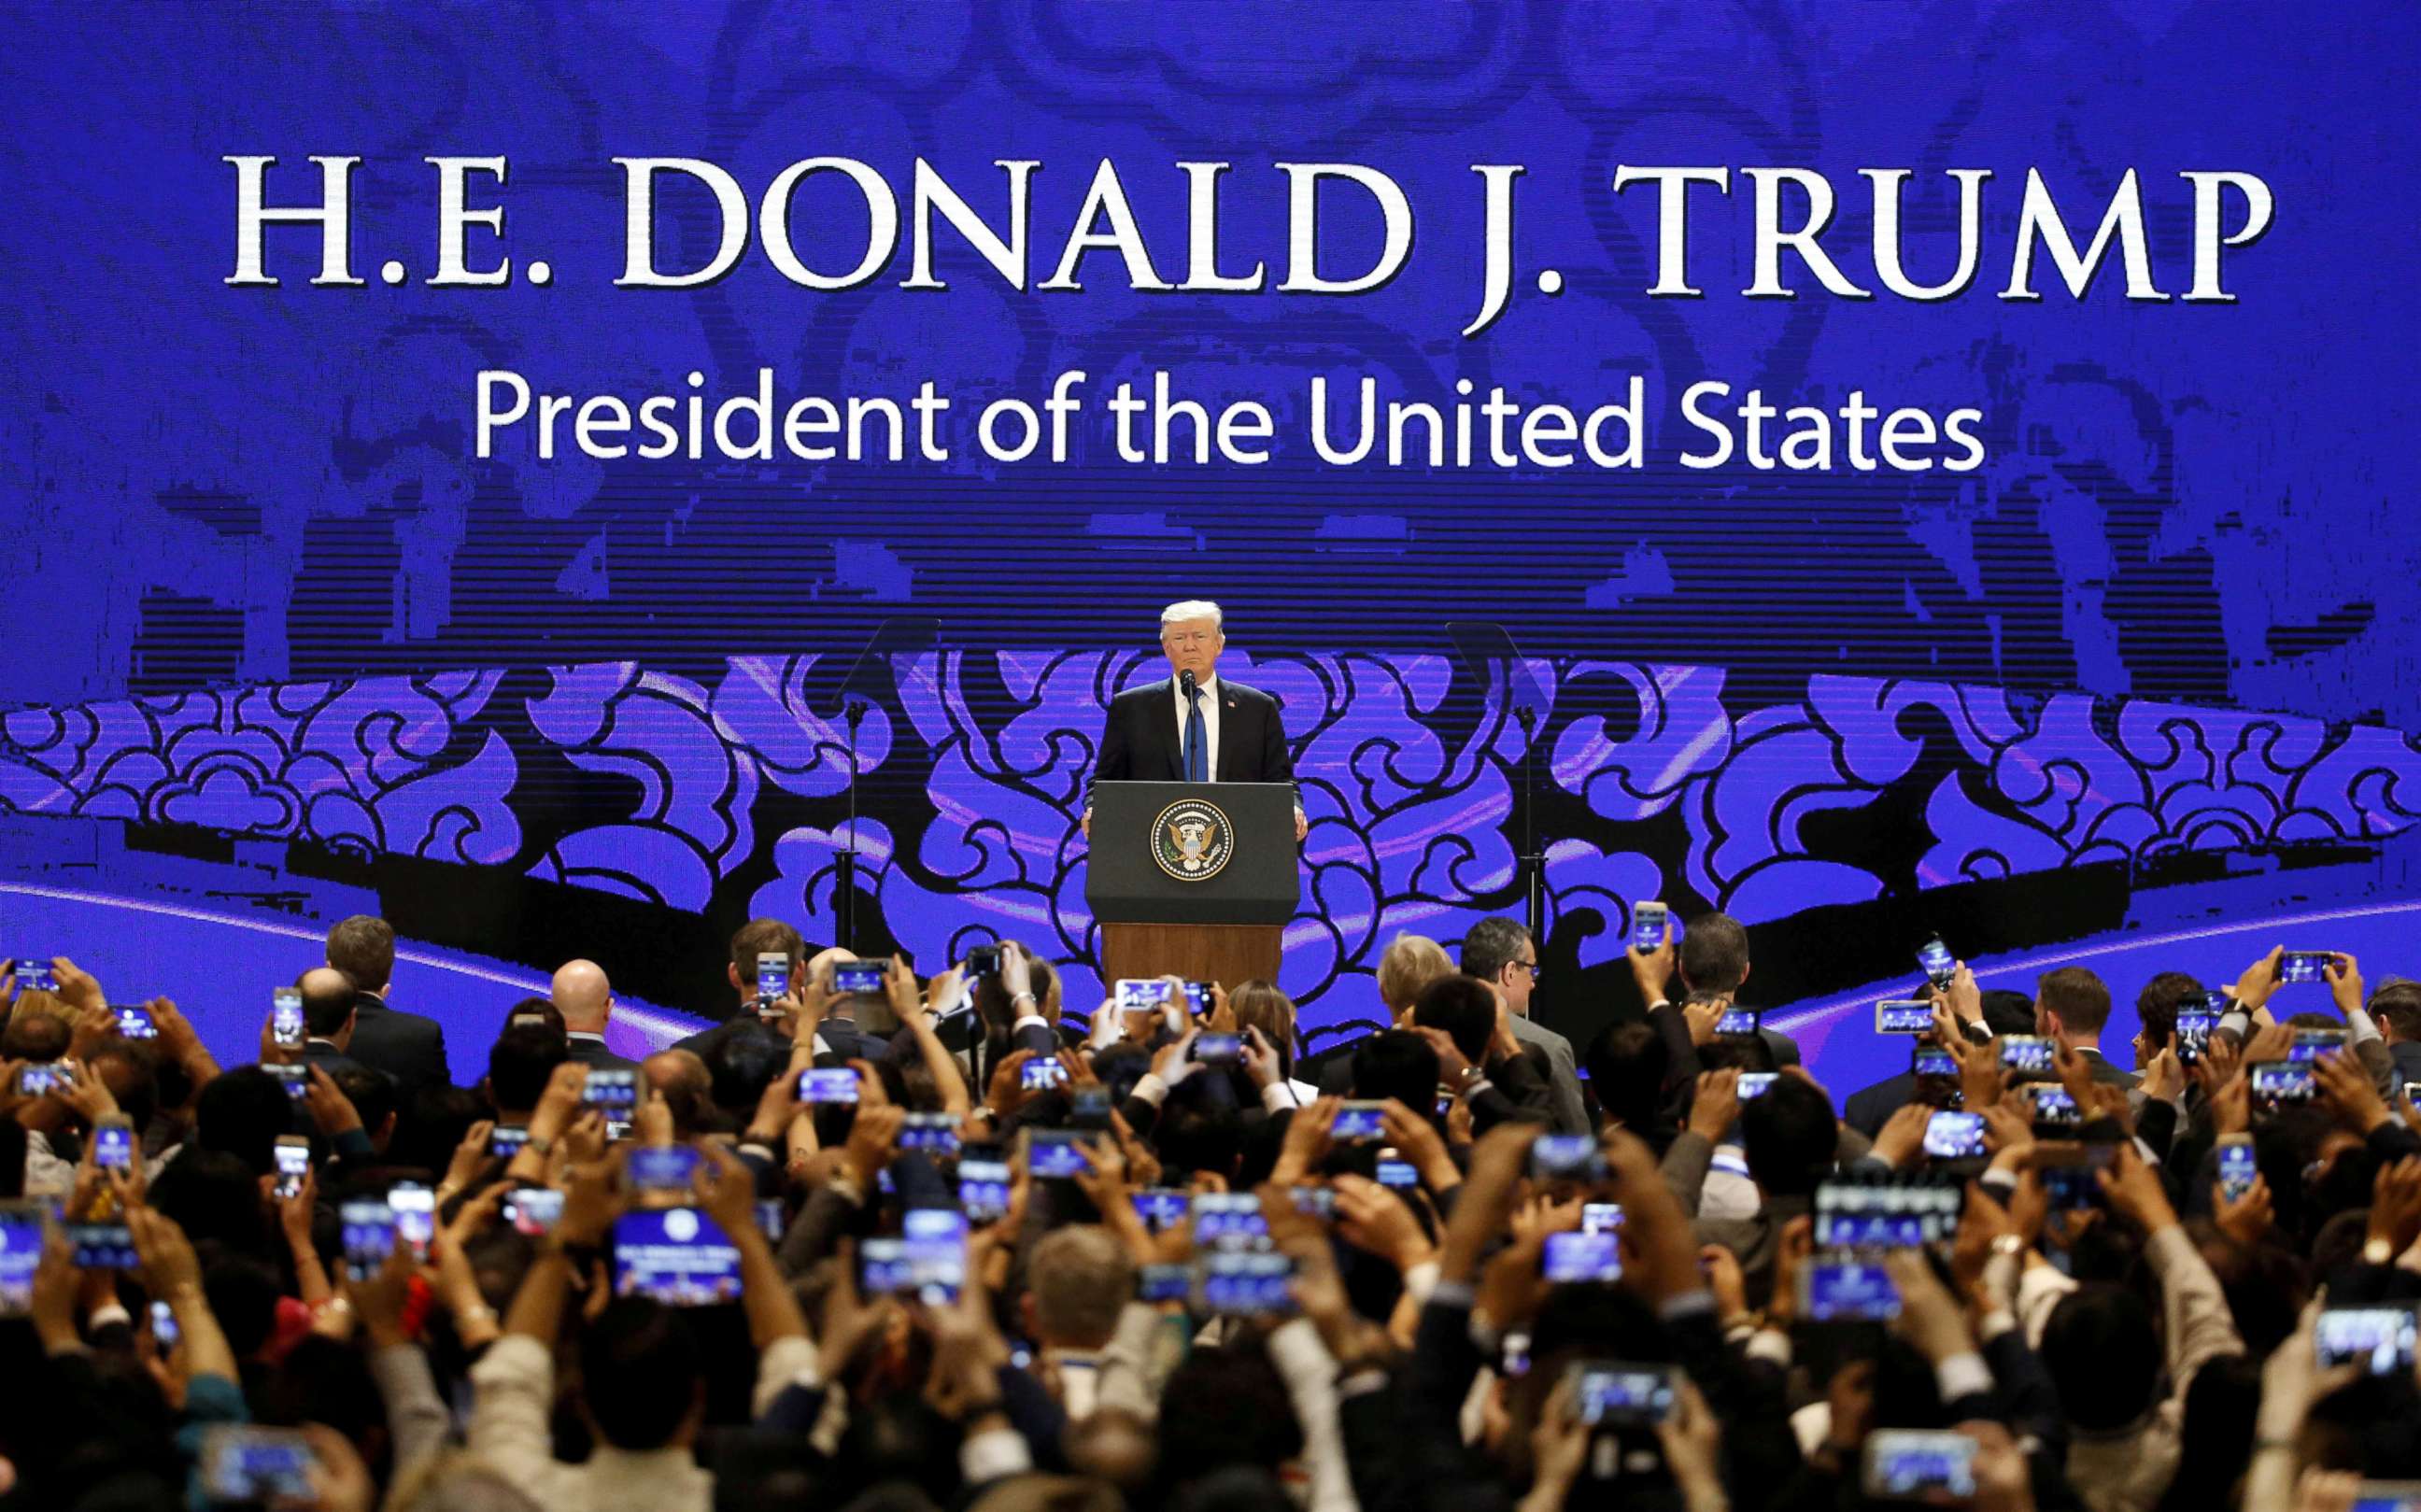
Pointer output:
x,y
1489,656
900,636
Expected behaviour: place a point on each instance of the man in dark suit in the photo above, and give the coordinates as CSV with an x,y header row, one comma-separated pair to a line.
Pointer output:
x,y
586,999
328,1019
1194,726
2397,1007
758,937
1999,1013
405,1046
835,1025
2070,1007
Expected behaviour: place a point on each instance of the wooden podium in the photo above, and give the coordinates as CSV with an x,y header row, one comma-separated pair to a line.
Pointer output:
x,y
1193,880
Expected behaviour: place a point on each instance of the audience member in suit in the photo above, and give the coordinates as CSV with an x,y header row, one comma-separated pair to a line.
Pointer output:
x,y
2396,1008
2072,1006
406,1046
1014,1008
758,937
1711,957
328,996
1501,953
837,1027
586,999
2003,1013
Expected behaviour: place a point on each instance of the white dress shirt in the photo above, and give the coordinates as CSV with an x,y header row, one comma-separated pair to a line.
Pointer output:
x,y
1209,689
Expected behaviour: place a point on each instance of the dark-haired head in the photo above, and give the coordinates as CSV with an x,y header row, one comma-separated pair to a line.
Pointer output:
x,y
520,1063
640,1375
241,1114
1465,1008
1790,1137
2103,1353
1398,1064
1626,1064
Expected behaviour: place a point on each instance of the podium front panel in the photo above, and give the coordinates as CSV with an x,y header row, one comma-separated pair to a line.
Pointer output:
x,y
1193,852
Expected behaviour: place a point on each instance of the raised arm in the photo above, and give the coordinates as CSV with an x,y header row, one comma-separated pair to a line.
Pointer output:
x,y
916,1015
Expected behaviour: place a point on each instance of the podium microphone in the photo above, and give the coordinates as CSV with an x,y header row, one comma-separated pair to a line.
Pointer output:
x,y
1185,685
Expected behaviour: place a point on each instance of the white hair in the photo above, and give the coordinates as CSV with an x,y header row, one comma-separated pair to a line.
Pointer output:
x,y
1193,609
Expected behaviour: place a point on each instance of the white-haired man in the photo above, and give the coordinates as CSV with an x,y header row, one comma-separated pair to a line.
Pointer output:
x,y
1220,731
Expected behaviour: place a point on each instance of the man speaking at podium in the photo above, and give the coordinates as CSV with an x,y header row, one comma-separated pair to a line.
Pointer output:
x,y
1196,726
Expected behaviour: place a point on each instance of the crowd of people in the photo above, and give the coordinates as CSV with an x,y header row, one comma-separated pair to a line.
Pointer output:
x,y
892,1242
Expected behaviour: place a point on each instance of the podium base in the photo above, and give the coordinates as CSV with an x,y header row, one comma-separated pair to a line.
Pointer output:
x,y
1222,953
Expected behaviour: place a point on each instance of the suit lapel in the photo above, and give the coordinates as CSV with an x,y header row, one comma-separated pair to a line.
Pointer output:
x,y
1227,741
1176,743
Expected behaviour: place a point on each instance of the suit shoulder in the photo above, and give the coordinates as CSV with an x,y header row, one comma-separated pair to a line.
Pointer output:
x,y
1244,692
1139,694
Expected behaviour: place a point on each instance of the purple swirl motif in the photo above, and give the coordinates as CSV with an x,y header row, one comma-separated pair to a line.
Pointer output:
x,y
731,797
379,765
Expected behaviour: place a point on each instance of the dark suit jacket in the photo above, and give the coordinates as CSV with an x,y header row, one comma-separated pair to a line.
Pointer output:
x,y
1143,741
845,1037
593,1055
703,1043
328,1058
851,1043
2108,1074
405,1046
1869,1108
2405,1055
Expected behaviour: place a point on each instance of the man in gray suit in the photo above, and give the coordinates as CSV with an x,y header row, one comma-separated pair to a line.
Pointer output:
x,y
1501,953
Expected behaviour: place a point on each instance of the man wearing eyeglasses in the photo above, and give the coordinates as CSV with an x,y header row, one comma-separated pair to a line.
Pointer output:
x,y
1194,726
1501,953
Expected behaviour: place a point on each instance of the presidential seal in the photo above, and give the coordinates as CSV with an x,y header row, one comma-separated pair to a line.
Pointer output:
x,y
1191,840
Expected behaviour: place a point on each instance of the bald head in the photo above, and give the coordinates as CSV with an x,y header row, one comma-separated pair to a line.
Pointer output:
x,y
327,1003
584,996
688,1088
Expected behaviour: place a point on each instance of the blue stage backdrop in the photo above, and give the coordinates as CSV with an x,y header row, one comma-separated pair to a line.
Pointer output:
x,y
2058,599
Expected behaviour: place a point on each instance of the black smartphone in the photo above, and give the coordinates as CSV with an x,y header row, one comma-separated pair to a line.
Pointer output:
x,y
1940,965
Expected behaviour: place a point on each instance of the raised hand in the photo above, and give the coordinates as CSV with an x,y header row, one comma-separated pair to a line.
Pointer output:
x,y
1716,1106
2260,980
2347,1090
2396,1204
2247,1218
1900,1143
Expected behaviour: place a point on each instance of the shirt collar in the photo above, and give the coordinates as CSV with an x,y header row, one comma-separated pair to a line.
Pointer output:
x,y
582,1034
1208,687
